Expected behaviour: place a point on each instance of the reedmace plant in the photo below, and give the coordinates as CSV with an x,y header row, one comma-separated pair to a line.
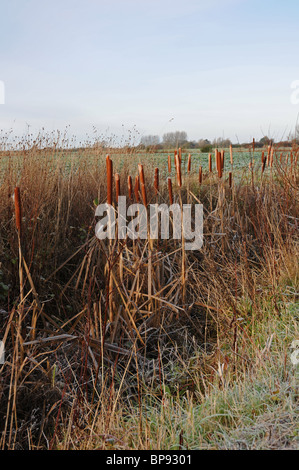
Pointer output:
x,y
184,224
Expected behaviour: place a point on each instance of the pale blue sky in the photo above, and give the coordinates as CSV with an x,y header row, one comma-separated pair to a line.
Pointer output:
x,y
218,67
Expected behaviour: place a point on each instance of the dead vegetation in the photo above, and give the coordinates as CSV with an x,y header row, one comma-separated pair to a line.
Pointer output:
x,y
94,331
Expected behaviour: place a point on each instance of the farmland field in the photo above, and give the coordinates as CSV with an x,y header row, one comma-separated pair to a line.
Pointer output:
x,y
139,344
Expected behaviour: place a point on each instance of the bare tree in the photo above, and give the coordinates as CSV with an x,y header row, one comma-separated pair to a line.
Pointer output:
x,y
150,140
221,142
175,139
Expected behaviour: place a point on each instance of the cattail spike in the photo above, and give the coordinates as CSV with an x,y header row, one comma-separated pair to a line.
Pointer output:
x,y
219,163
156,181
210,163
264,163
117,186
130,186
170,191
200,175
231,154
178,170
189,163
142,184
109,166
268,155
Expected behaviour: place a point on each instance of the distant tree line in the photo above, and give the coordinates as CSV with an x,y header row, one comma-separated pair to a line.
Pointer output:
x,y
178,139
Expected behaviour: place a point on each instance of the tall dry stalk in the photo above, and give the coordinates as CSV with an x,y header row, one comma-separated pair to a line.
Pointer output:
x,y
18,214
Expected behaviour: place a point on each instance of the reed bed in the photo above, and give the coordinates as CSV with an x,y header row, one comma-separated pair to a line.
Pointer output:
x,y
87,322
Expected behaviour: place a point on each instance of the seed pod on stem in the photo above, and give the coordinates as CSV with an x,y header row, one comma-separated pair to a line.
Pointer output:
x,y
222,161
264,164
210,163
200,175
268,155
189,163
117,186
130,187
170,191
156,181
142,184
178,171
231,154
109,166
219,164
230,179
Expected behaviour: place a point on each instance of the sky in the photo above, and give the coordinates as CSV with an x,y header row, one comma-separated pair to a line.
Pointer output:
x,y
214,68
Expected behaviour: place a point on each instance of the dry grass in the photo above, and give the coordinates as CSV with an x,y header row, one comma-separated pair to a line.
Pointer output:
x,y
142,344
